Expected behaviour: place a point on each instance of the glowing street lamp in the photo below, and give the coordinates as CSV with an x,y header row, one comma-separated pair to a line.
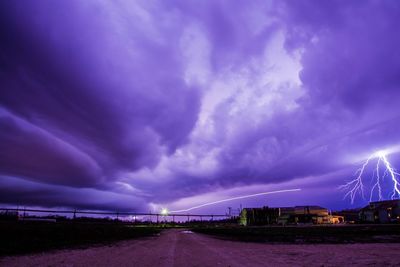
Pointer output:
x,y
164,212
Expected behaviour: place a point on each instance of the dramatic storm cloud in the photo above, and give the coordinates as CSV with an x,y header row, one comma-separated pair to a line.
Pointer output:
x,y
136,105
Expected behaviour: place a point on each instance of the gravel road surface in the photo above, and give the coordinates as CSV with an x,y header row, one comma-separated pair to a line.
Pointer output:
x,y
184,248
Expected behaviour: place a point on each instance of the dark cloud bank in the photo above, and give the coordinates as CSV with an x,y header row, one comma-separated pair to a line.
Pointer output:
x,y
97,110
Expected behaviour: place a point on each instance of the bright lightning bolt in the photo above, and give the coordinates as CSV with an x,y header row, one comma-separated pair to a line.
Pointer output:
x,y
356,186
235,198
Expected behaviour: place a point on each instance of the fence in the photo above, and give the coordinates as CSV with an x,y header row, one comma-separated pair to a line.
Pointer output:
x,y
132,216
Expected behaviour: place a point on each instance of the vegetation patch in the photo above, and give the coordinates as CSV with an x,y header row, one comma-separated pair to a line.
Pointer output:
x,y
308,234
28,237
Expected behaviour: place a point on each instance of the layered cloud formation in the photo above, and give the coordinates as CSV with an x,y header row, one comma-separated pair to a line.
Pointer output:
x,y
116,105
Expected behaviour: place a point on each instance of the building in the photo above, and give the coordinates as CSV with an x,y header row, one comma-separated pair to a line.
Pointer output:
x,y
348,215
259,216
286,215
387,211
305,214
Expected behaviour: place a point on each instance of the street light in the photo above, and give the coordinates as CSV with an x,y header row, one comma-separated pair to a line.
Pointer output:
x,y
164,212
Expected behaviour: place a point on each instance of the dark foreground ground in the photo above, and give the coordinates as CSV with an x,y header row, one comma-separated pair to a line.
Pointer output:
x,y
313,234
176,247
28,237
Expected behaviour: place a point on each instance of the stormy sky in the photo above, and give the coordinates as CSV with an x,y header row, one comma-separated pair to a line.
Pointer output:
x,y
137,105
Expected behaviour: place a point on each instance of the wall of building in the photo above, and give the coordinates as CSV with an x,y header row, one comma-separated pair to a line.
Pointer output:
x,y
285,215
387,211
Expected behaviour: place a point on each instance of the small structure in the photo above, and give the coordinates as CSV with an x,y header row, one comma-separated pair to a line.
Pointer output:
x,y
387,211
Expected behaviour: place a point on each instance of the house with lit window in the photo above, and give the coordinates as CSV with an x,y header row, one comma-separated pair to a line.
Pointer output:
x,y
387,211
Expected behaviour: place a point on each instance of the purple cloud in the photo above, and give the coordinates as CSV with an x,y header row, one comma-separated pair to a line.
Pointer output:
x,y
155,102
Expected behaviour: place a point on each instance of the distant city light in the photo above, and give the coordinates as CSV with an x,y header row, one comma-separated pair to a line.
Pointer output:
x,y
164,211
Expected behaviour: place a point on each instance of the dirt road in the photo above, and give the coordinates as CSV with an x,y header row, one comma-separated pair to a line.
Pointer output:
x,y
184,248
